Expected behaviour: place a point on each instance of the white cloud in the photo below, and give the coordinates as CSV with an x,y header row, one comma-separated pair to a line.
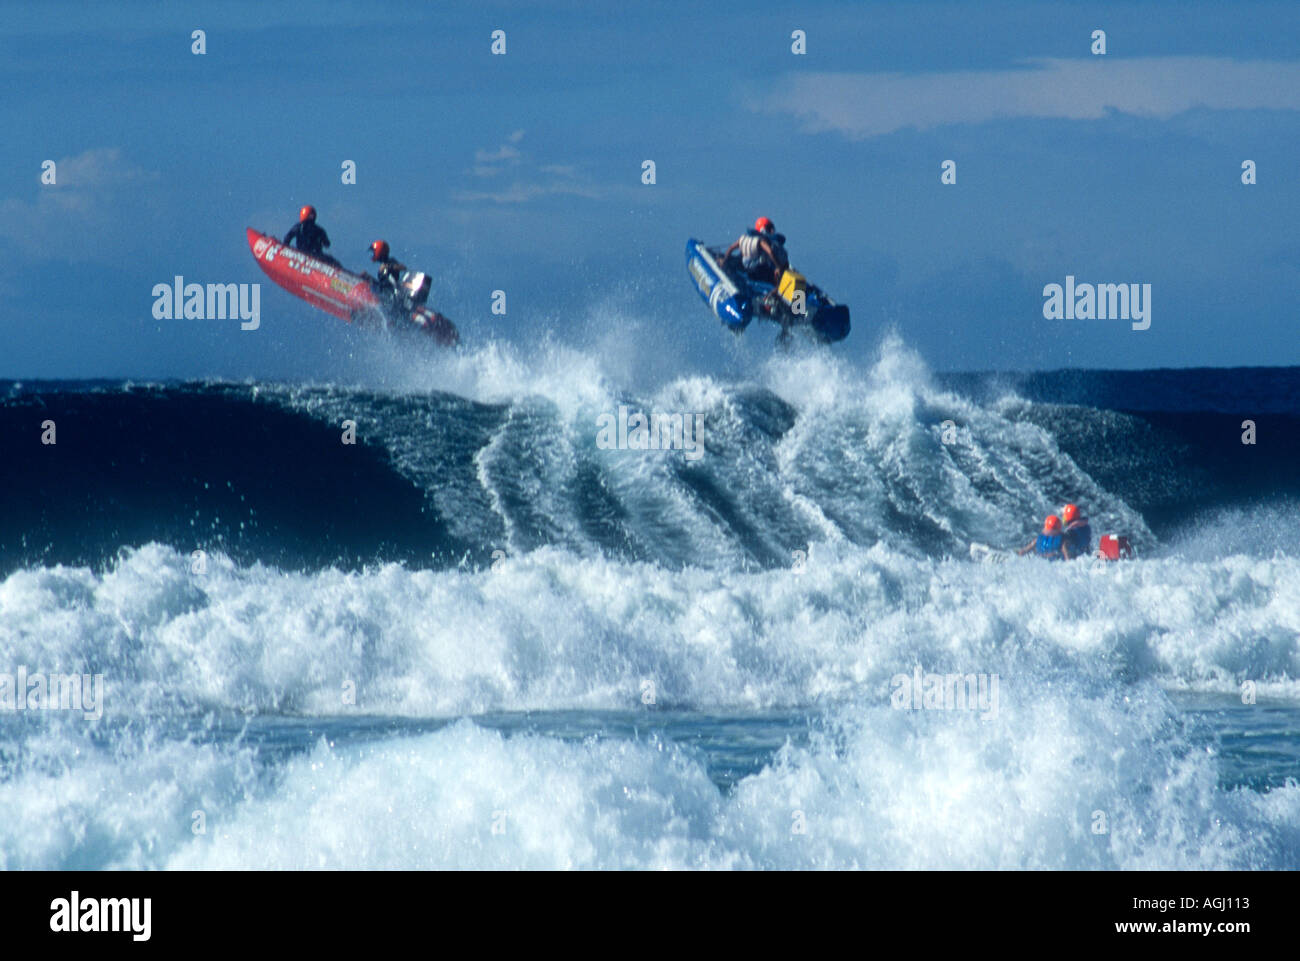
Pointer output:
x,y
531,180
519,192
99,167
504,152
866,105
71,217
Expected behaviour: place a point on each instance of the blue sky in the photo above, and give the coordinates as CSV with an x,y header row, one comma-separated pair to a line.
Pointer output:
x,y
522,172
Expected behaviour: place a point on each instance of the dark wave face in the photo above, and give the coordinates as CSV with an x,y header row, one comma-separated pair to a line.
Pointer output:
x,y
436,480
200,467
1169,442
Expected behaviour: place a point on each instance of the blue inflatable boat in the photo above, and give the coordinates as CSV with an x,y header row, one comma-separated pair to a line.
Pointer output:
x,y
737,299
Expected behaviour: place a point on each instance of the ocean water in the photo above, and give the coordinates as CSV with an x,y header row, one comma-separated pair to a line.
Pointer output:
x,y
475,639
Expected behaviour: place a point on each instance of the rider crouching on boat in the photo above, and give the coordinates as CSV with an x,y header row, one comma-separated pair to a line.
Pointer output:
x,y
762,252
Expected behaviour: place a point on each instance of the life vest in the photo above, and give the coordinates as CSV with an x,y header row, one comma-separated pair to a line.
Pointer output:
x,y
751,251
1048,545
778,248
753,256
1078,537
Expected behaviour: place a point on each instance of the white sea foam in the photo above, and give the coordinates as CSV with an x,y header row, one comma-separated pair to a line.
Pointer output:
x,y
550,630
1056,781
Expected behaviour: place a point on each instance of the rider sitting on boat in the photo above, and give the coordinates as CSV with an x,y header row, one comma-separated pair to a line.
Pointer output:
x,y
1048,545
762,252
307,235
1077,536
389,285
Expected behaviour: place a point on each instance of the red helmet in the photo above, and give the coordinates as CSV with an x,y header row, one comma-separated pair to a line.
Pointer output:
x,y
307,213
379,250
1052,524
1069,513
764,226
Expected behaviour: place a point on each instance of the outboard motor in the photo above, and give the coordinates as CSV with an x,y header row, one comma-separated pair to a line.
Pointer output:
x,y
417,284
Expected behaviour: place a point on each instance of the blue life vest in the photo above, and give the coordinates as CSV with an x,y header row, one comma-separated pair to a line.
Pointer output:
x,y
1048,544
777,243
1078,537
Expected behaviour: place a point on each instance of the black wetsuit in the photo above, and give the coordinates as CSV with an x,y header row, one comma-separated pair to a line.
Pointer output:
x,y
389,285
1078,537
310,238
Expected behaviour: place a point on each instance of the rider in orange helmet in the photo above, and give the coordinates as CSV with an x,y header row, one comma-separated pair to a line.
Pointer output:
x,y
1077,540
307,235
389,285
762,252
1049,544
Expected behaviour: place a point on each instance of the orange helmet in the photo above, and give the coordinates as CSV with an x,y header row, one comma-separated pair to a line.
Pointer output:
x,y
764,226
379,250
1052,524
307,213
1069,513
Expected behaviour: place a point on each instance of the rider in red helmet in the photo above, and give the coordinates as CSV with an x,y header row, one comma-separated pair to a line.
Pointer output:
x,y
307,235
762,252
389,284
1047,545
1077,533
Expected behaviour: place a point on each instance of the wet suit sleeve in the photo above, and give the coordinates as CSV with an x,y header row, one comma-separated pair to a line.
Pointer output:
x,y
293,232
